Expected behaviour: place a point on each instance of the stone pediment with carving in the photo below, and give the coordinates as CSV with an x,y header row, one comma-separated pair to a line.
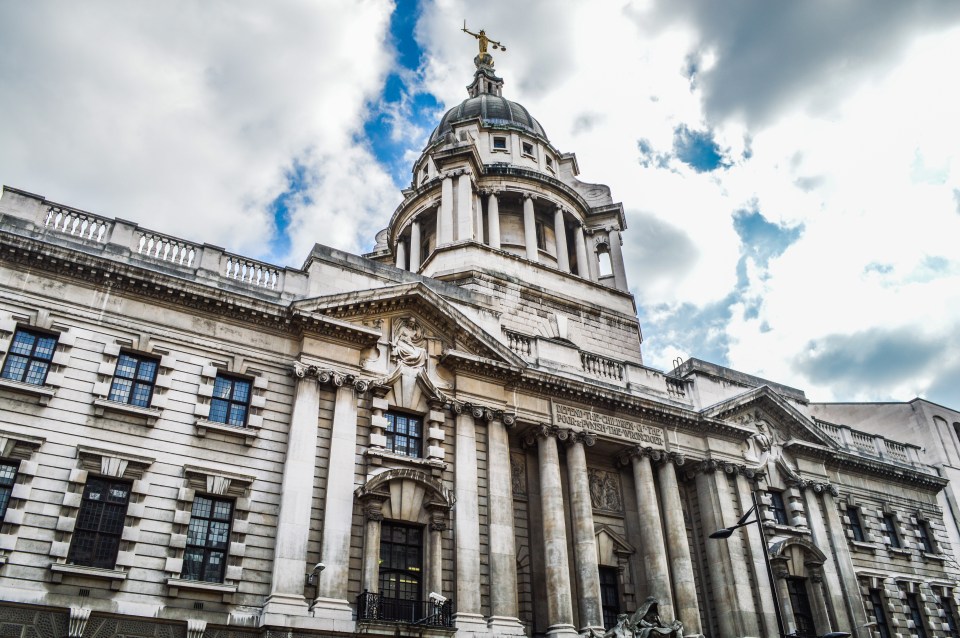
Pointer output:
x,y
417,328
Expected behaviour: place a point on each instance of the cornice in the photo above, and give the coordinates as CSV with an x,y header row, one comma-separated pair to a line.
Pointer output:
x,y
838,459
480,366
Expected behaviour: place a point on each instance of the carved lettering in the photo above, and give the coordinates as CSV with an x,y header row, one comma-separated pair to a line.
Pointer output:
x,y
605,424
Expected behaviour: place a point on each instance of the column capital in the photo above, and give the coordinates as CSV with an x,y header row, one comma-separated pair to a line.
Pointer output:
x,y
526,196
583,437
333,377
818,487
534,434
709,466
662,457
438,526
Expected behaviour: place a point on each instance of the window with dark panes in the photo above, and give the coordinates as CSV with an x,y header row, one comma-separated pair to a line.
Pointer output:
x,y
231,401
541,235
609,596
879,614
890,527
208,540
949,615
802,614
404,434
8,476
854,515
29,358
96,537
926,540
913,602
401,570
499,143
133,380
527,148
778,507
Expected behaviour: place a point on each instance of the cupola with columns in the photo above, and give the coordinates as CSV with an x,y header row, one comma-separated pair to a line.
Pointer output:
x,y
491,192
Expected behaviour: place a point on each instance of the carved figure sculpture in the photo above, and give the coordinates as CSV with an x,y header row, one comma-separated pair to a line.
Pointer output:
x,y
407,343
646,622
621,630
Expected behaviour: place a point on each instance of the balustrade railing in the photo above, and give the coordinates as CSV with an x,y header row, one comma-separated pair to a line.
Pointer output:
x,y
863,441
830,430
250,272
76,224
428,613
601,367
518,343
164,248
897,451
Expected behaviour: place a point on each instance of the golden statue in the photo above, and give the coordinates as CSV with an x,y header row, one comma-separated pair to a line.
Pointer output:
x,y
484,40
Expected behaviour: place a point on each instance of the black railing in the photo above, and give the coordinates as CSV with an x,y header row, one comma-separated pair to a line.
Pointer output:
x,y
371,606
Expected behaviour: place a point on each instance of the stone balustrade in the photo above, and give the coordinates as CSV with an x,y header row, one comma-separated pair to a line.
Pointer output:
x,y
870,444
165,248
519,343
76,223
250,272
601,367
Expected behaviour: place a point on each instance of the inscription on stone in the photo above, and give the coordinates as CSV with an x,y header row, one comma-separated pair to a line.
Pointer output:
x,y
580,419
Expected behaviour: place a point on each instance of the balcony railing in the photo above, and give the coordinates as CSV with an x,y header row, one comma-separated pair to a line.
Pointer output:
x,y
374,607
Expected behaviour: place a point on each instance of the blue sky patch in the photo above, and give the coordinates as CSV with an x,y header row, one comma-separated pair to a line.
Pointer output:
x,y
697,149
293,196
762,239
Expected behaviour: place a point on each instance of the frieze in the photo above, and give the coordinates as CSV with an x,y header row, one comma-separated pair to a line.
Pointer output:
x,y
604,424
605,490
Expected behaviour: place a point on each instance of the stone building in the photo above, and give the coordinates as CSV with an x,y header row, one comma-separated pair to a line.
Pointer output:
x,y
455,432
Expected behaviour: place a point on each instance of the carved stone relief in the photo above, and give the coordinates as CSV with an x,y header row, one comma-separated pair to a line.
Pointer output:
x,y
518,474
605,490
409,343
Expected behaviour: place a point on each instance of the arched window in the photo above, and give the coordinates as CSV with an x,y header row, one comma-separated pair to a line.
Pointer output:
x,y
606,266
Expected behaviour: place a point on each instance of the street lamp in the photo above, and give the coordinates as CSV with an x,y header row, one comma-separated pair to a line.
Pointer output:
x,y
726,532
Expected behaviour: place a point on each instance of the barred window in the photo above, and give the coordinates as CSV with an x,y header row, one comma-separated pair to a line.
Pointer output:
x,y
231,401
8,476
778,507
404,434
609,596
29,357
208,539
134,379
890,527
96,538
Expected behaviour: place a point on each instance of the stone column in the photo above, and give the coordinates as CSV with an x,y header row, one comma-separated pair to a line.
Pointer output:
x,y
464,208
478,217
733,592
757,560
401,254
684,586
583,266
371,546
503,552
493,220
821,617
848,577
445,218
560,235
616,261
653,553
586,568
438,525
296,499
780,575
467,524
835,603
338,509
556,564
415,246
530,228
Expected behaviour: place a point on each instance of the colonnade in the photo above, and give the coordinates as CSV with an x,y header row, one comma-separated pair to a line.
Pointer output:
x,y
460,218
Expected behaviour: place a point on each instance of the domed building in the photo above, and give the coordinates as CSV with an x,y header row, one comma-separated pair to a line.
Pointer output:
x,y
454,434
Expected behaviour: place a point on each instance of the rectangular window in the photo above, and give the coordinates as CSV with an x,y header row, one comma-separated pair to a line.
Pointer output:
x,y
29,357
609,596
527,148
133,380
854,515
926,542
499,143
96,537
8,476
549,162
913,602
541,236
404,433
778,507
208,539
401,570
879,613
802,615
231,401
890,527
949,615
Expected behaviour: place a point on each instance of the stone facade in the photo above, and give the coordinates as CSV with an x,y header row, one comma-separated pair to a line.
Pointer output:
x,y
455,432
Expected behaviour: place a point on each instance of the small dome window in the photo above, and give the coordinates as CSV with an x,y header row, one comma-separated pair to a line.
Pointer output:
x,y
499,143
528,149
549,162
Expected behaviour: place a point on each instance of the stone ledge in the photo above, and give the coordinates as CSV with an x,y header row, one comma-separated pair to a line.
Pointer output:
x,y
116,576
42,392
102,405
247,433
174,586
864,546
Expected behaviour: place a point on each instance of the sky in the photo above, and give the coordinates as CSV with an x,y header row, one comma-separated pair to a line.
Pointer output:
x,y
790,171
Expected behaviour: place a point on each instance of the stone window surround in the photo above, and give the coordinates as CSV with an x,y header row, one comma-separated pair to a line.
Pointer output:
x,y
218,483
109,463
258,394
433,454
107,369
924,600
906,546
496,149
918,520
39,321
17,448
869,542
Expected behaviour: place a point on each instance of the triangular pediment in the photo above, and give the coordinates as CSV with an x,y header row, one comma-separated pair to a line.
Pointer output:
x,y
446,329
765,405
